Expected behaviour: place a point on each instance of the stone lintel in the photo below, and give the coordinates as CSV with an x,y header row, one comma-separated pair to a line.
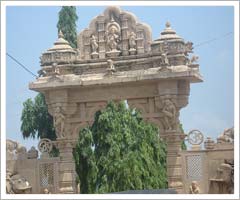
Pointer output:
x,y
96,80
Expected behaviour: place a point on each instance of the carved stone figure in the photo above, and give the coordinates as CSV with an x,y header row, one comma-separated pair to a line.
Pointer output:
x,y
41,73
112,39
8,184
194,59
111,67
20,148
10,149
32,153
79,56
188,47
21,151
194,189
132,40
223,183
17,184
94,44
169,111
55,69
165,60
46,191
227,136
113,35
59,119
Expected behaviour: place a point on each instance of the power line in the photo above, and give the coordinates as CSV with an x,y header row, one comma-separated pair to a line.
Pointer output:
x,y
211,40
24,67
197,45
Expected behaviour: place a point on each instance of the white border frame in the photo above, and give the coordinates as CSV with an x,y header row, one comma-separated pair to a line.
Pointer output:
x,y
235,4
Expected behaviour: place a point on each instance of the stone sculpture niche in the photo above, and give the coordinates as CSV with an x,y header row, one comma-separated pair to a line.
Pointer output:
x,y
114,33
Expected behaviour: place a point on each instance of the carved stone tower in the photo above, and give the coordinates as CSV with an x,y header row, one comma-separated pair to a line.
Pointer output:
x,y
116,59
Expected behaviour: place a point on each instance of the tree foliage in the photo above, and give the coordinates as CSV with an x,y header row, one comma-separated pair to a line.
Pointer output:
x,y
120,152
183,145
67,24
36,121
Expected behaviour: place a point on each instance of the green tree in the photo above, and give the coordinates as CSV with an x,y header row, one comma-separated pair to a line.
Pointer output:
x,y
183,145
67,24
36,121
120,152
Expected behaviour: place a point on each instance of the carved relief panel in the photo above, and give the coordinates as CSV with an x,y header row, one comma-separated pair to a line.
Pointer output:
x,y
114,33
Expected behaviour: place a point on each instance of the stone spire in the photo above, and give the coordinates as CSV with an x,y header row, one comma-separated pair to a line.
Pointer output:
x,y
60,52
112,19
60,34
61,43
168,33
168,24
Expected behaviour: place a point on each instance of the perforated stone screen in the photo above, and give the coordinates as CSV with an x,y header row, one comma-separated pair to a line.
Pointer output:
x,y
194,167
46,174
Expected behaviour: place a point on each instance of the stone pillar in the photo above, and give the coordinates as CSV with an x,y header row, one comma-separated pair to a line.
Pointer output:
x,y
67,174
140,42
101,38
174,163
87,45
125,37
173,95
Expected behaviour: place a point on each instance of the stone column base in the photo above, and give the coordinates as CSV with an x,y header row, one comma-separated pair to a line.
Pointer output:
x,y
67,174
174,163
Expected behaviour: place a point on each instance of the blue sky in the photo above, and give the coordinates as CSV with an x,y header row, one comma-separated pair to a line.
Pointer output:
x,y
31,30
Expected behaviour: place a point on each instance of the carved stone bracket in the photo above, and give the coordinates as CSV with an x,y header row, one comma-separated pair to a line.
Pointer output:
x,y
170,114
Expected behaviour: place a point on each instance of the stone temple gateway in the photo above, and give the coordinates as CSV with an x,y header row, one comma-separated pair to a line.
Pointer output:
x,y
116,59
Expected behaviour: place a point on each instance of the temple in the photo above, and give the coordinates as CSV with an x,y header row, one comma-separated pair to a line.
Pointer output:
x,y
116,59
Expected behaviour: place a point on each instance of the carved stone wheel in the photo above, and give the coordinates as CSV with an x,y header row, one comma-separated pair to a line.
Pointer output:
x,y
195,137
45,145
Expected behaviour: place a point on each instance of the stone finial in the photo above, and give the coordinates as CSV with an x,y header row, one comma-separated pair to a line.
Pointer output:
x,y
209,143
168,25
112,19
60,34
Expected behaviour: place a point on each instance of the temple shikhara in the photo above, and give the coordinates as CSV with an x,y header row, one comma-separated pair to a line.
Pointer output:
x,y
117,59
